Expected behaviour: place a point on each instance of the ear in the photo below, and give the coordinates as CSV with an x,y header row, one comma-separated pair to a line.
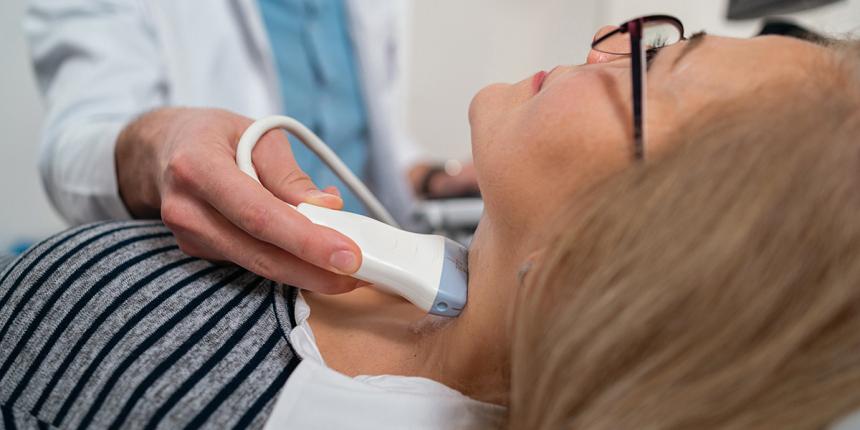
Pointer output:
x,y
530,262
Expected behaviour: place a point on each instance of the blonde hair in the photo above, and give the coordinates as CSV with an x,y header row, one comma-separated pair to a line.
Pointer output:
x,y
716,287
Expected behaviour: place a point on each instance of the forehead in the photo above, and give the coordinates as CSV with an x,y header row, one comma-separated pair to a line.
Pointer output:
x,y
690,76
759,54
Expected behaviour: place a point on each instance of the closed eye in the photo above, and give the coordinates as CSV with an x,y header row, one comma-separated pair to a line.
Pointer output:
x,y
692,42
650,55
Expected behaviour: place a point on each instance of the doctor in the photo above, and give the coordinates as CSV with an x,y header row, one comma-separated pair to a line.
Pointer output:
x,y
147,99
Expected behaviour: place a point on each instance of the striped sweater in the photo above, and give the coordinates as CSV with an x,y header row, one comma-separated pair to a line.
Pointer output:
x,y
111,326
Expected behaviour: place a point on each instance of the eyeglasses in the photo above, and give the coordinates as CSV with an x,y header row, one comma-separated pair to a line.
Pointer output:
x,y
639,38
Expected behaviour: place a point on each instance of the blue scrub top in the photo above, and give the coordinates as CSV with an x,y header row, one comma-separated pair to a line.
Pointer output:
x,y
320,84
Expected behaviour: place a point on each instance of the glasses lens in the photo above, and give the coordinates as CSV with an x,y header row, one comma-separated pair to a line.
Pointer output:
x,y
655,34
658,34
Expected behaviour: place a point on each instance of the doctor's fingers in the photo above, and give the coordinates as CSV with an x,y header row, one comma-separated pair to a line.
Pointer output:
x,y
280,173
210,236
252,208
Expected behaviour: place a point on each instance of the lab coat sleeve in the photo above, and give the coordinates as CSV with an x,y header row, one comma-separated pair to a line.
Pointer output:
x,y
98,66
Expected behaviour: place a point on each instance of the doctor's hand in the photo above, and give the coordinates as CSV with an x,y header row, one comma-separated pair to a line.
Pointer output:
x,y
179,164
451,180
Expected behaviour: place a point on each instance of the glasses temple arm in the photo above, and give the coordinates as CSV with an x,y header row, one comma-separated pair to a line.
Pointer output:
x,y
637,55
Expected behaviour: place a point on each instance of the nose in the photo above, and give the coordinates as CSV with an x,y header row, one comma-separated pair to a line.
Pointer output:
x,y
603,31
596,57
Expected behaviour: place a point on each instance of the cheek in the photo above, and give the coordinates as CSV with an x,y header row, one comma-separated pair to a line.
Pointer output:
x,y
576,132
591,107
531,154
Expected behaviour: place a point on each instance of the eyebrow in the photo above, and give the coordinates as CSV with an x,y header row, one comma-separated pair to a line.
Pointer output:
x,y
694,41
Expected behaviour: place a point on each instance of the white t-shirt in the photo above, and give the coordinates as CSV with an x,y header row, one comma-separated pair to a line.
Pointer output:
x,y
317,397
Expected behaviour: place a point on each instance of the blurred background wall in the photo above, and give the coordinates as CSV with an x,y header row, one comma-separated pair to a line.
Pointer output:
x,y
25,213
458,46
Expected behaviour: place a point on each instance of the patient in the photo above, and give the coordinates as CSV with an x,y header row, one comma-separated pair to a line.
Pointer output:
x,y
716,288
110,325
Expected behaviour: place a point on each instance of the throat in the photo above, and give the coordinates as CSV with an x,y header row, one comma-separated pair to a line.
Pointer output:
x,y
367,332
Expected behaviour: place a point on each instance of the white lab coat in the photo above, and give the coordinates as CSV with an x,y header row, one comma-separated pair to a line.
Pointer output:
x,y
102,63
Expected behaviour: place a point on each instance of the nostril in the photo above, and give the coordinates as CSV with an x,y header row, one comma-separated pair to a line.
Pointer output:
x,y
597,57
593,57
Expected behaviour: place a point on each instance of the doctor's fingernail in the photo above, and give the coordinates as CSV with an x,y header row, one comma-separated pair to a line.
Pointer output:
x,y
344,261
332,190
318,197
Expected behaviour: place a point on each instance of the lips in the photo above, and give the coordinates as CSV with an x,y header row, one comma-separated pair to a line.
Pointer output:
x,y
537,81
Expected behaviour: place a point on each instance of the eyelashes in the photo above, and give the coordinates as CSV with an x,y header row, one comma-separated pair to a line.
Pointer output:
x,y
650,55
654,49
659,43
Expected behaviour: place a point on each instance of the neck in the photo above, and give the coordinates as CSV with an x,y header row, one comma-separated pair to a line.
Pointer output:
x,y
469,353
459,356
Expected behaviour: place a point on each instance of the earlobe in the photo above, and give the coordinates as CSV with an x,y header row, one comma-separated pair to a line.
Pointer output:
x,y
531,261
523,271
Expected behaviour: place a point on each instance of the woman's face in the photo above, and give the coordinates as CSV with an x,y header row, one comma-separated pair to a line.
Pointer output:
x,y
538,141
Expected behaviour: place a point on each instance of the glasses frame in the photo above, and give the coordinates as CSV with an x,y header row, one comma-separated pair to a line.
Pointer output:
x,y
635,28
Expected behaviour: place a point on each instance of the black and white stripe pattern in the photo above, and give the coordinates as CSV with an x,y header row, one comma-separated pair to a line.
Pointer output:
x,y
111,326
5,261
